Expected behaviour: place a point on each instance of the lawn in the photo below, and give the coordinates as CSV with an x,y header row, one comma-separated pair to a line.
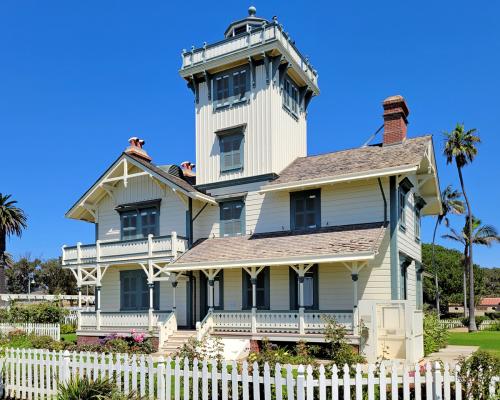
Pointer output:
x,y
486,340
69,337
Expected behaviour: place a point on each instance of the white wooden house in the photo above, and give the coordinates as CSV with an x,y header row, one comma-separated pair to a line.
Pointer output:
x,y
263,240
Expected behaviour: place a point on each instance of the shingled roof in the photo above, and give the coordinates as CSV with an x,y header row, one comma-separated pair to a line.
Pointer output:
x,y
360,241
355,161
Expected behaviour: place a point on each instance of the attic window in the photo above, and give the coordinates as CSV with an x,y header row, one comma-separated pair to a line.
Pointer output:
x,y
239,30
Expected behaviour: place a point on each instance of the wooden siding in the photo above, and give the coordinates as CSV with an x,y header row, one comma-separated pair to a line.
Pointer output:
x,y
273,139
172,210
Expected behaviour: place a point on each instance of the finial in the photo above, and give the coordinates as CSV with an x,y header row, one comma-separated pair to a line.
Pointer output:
x,y
252,11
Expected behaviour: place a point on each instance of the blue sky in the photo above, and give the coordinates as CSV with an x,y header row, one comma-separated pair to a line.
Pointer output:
x,y
77,79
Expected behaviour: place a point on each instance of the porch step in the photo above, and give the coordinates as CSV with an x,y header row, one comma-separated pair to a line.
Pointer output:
x,y
176,341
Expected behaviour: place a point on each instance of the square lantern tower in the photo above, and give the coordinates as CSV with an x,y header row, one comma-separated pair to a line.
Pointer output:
x,y
251,90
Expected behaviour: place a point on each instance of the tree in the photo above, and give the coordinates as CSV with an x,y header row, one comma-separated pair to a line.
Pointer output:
x,y
484,235
460,146
12,222
451,204
449,267
19,274
492,282
56,279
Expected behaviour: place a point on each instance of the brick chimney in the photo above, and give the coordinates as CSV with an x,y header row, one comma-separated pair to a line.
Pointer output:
x,y
395,119
136,148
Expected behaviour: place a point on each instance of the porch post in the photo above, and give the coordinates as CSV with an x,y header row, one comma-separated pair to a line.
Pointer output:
x,y
355,324
151,286
301,301
174,286
98,307
253,281
211,294
79,321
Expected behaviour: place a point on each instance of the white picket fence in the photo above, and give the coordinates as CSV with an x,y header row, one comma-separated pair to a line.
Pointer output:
x,y
52,330
35,374
457,323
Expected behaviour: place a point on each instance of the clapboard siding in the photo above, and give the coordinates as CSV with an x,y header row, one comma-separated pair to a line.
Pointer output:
x,y
279,287
172,210
273,138
232,289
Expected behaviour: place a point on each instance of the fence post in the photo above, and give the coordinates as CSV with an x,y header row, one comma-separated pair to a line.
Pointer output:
x,y
65,365
438,393
300,383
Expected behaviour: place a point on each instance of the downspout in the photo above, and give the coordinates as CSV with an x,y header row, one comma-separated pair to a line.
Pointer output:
x,y
189,222
393,229
383,198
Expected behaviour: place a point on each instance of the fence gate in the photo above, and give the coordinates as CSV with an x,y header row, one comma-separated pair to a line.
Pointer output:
x,y
391,332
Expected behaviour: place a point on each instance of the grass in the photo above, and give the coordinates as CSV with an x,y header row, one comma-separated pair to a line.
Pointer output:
x,y
69,337
486,340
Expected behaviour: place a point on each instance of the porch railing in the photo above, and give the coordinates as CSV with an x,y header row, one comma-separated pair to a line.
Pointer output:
x,y
121,320
295,322
124,250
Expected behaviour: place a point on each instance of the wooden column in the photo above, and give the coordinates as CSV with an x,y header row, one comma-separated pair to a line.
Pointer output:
x,y
98,307
211,284
151,287
174,287
355,324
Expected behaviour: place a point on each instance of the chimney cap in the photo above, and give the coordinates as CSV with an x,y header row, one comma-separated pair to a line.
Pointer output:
x,y
396,101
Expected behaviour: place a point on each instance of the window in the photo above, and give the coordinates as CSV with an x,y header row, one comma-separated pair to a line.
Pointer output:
x,y
305,210
405,262
310,289
232,221
134,291
291,96
404,187
218,291
262,290
231,152
417,224
240,29
402,209
138,222
231,87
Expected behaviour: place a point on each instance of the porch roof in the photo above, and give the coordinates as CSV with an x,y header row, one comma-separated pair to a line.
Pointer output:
x,y
330,244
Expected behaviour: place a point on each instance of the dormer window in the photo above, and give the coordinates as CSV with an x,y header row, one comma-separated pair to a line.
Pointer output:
x,y
239,30
231,87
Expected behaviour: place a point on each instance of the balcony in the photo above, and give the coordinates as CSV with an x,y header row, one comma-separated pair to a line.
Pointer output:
x,y
123,251
270,33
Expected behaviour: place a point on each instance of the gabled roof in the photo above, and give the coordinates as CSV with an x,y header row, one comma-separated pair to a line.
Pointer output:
x,y
330,244
412,155
83,208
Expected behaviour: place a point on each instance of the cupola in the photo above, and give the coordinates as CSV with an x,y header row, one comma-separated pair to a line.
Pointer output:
x,y
245,25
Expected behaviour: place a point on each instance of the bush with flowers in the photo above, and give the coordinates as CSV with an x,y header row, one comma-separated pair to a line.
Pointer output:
x,y
136,342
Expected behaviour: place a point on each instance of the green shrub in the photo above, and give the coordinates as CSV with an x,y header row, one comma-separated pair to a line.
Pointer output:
x,y
116,346
84,388
40,342
272,354
476,373
67,328
42,313
209,348
435,336
494,327
339,350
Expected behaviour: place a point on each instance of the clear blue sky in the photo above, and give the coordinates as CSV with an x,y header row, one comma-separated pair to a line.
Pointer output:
x,y
77,79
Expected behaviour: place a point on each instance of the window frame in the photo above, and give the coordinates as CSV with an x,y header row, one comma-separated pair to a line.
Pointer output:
x,y
294,196
246,303
233,137
140,277
232,98
137,208
402,199
233,201
291,98
294,288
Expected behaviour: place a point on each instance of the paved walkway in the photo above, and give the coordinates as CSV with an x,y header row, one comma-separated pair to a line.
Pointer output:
x,y
451,354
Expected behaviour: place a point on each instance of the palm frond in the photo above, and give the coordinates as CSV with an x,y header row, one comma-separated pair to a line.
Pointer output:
x,y
12,219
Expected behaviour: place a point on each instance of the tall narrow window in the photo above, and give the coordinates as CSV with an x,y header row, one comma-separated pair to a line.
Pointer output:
x,y
232,222
291,96
231,152
262,290
417,224
305,210
222,90
239,85
311,287
404,187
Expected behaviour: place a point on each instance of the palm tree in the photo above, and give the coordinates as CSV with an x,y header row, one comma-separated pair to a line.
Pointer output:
x,y
12,222
484,235
460,145
451,204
